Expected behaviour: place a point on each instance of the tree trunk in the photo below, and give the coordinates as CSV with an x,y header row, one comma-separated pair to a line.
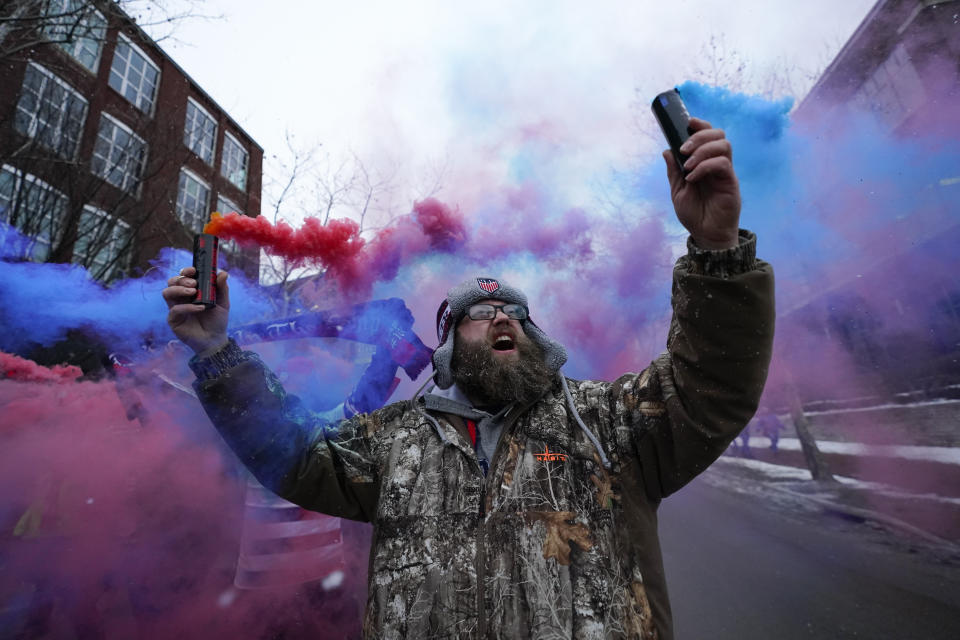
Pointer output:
x,y
816,463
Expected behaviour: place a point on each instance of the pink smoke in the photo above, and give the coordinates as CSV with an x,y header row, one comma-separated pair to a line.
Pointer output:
x,y
134,531
523,223
16,368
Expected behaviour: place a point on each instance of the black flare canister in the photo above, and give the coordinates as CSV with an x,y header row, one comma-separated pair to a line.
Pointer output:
x,y
205,247
674,121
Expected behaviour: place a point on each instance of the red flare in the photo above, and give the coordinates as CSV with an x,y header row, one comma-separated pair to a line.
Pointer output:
x,y
16,368
326,245
338,247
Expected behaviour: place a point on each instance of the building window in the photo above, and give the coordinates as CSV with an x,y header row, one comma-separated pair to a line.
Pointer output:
x,y
119,154
102,245
35,208
193,198
233,161
134,75
894,90
78,28
225,206
200,131
50,111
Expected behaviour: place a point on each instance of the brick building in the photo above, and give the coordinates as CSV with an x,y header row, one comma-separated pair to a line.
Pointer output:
x,y
902,63
898,318
109,150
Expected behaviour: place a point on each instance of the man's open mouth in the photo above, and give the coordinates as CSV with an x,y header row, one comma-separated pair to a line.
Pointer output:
x,y
503,343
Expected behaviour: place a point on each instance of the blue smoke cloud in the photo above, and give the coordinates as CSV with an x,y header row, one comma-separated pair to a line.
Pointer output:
x,y
41,302
827,198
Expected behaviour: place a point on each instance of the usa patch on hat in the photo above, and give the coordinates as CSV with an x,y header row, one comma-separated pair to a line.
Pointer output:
x,y
488,284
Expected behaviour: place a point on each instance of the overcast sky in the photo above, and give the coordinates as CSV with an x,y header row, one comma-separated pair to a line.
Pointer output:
x,y
433,82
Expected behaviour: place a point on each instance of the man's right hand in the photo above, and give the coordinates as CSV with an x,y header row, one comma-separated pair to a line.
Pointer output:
x,y
196,326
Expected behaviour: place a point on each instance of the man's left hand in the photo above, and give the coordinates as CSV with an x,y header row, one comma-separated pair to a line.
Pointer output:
x,y
707,199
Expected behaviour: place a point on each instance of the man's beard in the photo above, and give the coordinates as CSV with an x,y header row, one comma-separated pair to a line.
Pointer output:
x,y
496,382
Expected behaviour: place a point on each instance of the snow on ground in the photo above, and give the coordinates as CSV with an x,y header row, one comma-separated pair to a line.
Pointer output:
x,y
946,455
772,471
781,472
878,407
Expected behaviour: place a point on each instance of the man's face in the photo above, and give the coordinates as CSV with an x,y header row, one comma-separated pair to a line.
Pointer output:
x,y
495,363
500,333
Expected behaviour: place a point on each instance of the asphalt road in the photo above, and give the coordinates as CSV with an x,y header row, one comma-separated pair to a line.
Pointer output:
x,y
747,567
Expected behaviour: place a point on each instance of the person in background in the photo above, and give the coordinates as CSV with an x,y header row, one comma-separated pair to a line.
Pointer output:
x,y
769,425
744,440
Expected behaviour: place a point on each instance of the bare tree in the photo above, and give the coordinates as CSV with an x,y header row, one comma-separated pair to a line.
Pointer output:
x,y
283,184
721,64
26,25
93,215
315,184
91,209
310,182
432,176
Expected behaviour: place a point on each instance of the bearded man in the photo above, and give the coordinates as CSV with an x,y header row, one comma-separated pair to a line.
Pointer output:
x,y
510,501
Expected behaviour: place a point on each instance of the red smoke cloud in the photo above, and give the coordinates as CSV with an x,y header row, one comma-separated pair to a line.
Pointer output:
x,y
337,246
327,245
16,368
116,530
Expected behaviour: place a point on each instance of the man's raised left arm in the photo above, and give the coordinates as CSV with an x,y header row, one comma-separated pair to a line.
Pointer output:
x,y
721,336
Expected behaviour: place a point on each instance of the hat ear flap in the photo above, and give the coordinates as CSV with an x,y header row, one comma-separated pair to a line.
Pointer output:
x,y
443,321
554,355
442,361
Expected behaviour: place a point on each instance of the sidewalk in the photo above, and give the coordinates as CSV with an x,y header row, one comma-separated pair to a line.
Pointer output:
x,y
913,489
917,469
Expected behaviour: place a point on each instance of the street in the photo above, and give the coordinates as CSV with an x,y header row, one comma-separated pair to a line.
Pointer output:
x,y
748,566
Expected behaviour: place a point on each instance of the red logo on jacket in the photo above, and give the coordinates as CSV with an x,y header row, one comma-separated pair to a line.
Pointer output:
x,y
550,455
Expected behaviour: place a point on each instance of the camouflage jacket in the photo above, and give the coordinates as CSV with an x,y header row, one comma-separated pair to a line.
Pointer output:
x,y
550,543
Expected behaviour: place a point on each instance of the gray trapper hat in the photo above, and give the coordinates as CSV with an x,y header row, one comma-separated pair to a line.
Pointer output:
x,y
468,293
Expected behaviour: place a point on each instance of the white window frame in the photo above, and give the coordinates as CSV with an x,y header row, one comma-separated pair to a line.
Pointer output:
x,y
82,31
226,157
33,127
7,202
130,182
231,206
188,130
42,241
125,81
190,219
116,243
228,246
893,90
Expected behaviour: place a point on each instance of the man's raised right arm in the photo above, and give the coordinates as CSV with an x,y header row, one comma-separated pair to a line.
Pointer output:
x,y
318,465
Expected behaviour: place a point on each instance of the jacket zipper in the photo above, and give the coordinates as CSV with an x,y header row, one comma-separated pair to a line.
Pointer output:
x,y
481,561
481,564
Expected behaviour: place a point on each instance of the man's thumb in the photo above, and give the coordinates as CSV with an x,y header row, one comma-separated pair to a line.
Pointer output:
x,y
673,172
223,291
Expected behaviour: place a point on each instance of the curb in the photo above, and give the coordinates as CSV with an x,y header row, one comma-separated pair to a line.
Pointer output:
x,y
867,514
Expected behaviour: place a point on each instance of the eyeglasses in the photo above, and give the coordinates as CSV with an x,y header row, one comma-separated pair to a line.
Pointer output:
x,y
489,311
